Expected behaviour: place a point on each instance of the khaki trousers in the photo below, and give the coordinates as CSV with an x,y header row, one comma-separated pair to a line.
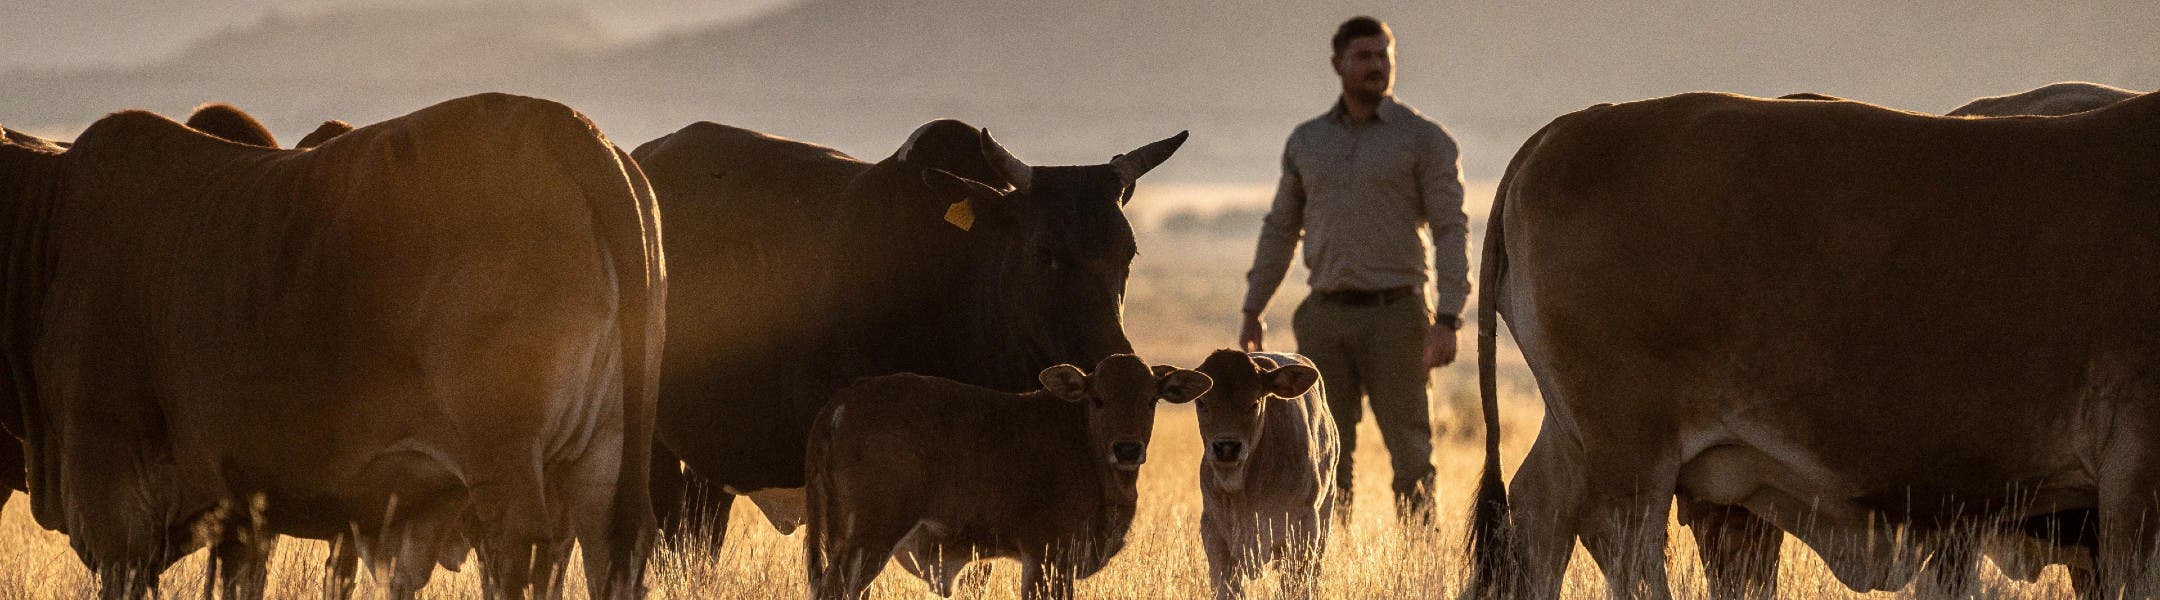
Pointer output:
x,y
1377,353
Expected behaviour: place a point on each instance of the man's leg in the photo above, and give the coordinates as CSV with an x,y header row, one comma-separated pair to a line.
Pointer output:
x,y
1322,335
1392,358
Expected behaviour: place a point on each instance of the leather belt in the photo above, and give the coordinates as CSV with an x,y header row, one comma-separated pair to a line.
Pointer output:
x,y
1367,297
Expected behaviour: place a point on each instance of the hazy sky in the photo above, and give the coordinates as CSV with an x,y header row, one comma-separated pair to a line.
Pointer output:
x,y
77,33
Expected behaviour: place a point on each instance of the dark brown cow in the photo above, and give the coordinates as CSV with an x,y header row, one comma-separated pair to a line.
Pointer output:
x,y
939,473
445,327
798,269
1841,318
229,123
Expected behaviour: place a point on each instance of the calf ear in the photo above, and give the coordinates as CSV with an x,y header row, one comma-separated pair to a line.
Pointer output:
x,y
1289,382
1266,364
1065,381
1161,370
1181,386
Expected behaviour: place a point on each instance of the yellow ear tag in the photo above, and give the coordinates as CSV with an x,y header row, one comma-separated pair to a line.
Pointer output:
x,y
961,214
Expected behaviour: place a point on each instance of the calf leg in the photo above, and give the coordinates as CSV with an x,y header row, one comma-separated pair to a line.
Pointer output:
x,y
1739,550
1225,564
1300,563
854,556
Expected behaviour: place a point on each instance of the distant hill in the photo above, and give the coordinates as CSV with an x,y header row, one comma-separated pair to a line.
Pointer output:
x,y
1069,82
362,63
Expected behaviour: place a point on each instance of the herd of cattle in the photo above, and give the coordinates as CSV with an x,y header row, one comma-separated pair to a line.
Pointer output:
x,y
443,334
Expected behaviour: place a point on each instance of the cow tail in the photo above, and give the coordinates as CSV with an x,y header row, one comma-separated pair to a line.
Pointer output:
x,y
627,225
641,281
1492,549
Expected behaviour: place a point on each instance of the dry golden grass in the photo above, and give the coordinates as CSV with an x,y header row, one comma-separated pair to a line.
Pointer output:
x,y
1182,304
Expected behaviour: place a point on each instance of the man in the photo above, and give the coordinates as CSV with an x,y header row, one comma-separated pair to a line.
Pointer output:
x,y
1357,183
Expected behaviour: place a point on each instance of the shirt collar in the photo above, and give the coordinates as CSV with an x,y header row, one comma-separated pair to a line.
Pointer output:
x,y
1388,111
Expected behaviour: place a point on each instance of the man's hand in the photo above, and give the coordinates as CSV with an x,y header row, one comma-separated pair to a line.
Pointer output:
x,y
1248,337
1439,345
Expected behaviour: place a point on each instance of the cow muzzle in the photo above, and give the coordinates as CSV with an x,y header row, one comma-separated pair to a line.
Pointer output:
x,y
1226,451
1129,455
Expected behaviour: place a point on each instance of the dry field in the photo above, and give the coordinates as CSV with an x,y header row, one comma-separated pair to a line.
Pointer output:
x,y
1184,293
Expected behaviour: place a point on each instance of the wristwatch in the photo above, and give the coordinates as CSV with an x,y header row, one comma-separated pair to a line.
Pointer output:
x,y
1451,321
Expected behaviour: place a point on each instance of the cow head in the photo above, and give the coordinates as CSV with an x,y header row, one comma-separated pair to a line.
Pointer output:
x,y
1119,398
1234,411
979,267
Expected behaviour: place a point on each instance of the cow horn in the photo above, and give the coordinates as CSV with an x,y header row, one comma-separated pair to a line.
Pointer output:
x,y
1015,171
1132,165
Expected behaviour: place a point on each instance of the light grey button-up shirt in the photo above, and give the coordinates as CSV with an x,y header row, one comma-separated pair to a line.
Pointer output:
x,y
1357,194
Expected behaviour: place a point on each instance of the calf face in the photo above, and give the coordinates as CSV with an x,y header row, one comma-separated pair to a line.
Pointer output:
x,y
1234,410
1121,396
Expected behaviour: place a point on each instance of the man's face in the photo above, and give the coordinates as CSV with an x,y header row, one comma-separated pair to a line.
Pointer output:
x,y
1367,67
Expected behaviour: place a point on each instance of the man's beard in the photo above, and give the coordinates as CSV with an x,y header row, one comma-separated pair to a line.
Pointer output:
x,y
1364,92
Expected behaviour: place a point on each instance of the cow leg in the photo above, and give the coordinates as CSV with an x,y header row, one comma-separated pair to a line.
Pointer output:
x,y
692,511
2129,519
340,568
1626,535
244,565
550,570
1046,580
1739,550
1952,570
1545,497
117,582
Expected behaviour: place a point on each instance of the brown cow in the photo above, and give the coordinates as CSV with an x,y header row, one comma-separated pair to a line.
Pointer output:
x,y
323,133
445,327
939,473
1267,477
1844,319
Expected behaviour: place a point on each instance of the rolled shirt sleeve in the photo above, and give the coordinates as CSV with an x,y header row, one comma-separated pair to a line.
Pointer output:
x,y
1441,188
1279,233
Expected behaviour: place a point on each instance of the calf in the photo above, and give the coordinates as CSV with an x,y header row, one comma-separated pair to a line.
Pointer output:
x,y
1266,478
940,473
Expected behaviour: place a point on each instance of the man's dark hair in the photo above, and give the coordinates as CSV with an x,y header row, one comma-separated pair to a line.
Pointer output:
x,y
1357,27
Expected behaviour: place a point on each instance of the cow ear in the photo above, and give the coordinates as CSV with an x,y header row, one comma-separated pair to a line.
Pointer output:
x,y
1181,386
1065,381
1290,381
1161,370
1266,364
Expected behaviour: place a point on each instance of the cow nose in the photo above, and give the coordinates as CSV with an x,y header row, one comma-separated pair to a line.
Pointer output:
x,y
1128,452
1228,450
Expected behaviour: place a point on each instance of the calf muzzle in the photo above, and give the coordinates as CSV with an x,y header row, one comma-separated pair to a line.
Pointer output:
x,y
1227,450
1129,453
